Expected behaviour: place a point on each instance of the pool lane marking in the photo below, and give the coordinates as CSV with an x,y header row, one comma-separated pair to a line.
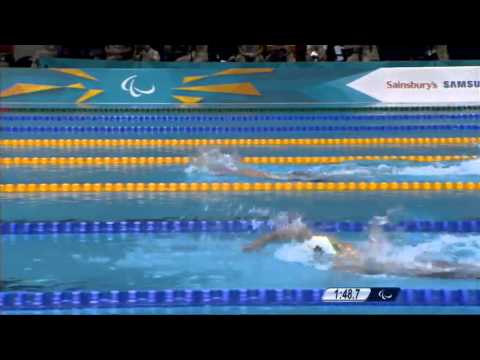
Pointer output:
x,y
234,129
202,118
239,187
371,141
168,298
237,225
182,160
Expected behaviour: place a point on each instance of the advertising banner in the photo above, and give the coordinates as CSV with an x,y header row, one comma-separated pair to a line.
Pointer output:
x,y
421,84
267,84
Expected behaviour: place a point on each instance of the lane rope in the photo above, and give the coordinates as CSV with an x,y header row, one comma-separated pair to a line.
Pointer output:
x,y
233,129
243,117
182,160
239,187
257,108
24,300
404,141
187,226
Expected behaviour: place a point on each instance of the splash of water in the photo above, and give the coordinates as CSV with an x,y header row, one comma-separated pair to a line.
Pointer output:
x,y
461,249
295,251
467,167
402,255
345,169
259,211
287,220
213,162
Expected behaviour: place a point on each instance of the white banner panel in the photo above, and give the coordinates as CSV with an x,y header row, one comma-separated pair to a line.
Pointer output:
x,y
421,84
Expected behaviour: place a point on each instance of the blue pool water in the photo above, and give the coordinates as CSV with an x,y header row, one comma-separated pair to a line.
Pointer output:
x,y
349,171
204,260
263,310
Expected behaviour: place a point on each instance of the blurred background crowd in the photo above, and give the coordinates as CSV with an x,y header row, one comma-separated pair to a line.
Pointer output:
x,y
29,55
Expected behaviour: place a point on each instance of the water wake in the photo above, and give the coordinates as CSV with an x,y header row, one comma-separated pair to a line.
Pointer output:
x,y
400,168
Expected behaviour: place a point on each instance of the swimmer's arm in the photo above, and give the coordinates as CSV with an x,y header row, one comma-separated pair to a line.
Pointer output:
x,y
279,235
259,243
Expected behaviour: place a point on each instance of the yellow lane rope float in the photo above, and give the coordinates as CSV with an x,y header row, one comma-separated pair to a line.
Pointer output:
x,y
236,142
182,160
240,187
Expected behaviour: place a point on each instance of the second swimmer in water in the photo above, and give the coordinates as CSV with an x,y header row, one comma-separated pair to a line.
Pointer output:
x,y
223,164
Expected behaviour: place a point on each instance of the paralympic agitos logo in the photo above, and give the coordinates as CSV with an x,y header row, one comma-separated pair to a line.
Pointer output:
x,y
128,85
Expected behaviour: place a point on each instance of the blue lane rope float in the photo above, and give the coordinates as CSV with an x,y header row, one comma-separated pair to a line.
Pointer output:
x,y
257,108
255,117
25,300
183,226
231,129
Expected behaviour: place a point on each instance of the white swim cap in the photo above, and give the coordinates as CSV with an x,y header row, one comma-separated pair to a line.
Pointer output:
x,y
321,242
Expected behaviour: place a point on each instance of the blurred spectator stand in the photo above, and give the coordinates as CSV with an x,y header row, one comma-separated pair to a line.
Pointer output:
x,y
174,52
250,53
7,55
196,53
119,52
46,51
146,53
280,53
316,52
221,53
81,52
405,53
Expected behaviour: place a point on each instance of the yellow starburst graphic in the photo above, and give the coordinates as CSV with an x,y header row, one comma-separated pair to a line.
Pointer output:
x,y
75,72
240,71
88,95
188,99
27,88
243,88
236,88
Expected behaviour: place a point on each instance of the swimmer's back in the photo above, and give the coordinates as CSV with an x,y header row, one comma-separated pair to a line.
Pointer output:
x,y
303,176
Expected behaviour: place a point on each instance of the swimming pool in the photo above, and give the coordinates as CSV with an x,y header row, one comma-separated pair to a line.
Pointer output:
x,y
152,232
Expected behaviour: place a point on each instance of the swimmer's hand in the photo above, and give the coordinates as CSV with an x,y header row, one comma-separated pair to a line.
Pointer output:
x,y
254,246
257,244
250,248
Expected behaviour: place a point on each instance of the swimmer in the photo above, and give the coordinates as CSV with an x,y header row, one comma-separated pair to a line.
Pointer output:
x,y
223,164
303,176
369,260
292,176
